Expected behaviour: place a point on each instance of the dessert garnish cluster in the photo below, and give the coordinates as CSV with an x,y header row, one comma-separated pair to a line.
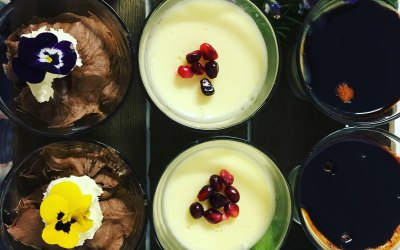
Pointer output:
x,y
345,92
221,196
44,55
201,61
71,211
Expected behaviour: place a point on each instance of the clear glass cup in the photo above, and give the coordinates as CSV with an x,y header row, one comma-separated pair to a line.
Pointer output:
x,y
20,12
194,110
301,74
385,140
254,172
29,179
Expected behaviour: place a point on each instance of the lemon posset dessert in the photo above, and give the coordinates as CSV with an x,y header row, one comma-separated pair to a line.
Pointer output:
x,y
221,194
210,91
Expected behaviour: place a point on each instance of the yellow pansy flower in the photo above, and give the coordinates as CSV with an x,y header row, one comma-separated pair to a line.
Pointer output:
x,y
65,212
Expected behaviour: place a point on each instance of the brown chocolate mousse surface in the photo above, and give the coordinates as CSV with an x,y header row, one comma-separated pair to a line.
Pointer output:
x,y
88,89
120,210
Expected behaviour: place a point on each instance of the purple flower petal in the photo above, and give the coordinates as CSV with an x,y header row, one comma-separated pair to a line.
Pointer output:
x,y
26,51
27,73
29,48
69,56
48,67
350,1
45,40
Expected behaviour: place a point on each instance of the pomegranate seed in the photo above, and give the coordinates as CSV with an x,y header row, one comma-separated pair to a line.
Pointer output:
x,y
197,68
225,216
212,69
208,52
216,182
205,192
206,87
213,216
232,193
227,177
196,210
193,56
231,209
185,71
218,200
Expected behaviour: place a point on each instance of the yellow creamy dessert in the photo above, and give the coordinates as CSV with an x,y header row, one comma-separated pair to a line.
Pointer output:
x,y
243,63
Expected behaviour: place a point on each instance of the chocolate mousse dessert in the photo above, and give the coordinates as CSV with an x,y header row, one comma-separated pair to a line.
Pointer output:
x,y
65,69
35,192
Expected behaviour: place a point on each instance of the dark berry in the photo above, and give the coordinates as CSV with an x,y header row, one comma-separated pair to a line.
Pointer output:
x,y
227,177
208,52
206,87
212,69
231,209
232,193
205,192
213,216
196,210
197,68
216,182
193,56
218,200
185,71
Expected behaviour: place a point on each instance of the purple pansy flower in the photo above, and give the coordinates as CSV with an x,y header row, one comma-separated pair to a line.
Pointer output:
x,y
42,54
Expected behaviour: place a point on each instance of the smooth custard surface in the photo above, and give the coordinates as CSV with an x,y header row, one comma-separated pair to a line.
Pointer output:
x,y
257,200
242,60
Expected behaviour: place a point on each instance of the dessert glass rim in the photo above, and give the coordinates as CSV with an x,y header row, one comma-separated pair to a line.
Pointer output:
x,y
74,132
7,180
319,9
190,125
231,139
341,133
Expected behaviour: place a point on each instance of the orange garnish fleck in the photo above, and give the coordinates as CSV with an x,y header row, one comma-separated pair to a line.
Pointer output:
x,y
345,93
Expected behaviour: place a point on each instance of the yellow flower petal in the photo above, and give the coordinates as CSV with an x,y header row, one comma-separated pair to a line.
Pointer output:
x,y
68,190
66,240
51,206
82,205
82,224
49,234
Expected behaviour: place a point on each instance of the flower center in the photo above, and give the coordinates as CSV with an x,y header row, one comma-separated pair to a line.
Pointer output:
x,y
51,55
66,227
60,215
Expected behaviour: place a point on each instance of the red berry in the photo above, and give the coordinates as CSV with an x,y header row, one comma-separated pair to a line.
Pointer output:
x,y
213,216
193,56
232,193
205,192
212,69
208,52
227,177
196,210
216,182
197,68
218,200
225,216
231,209
185,71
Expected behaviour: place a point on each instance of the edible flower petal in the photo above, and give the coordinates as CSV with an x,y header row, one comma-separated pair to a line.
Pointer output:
x,y
66,213
72,194
60,237
27,73
82,224
53,208
43,54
